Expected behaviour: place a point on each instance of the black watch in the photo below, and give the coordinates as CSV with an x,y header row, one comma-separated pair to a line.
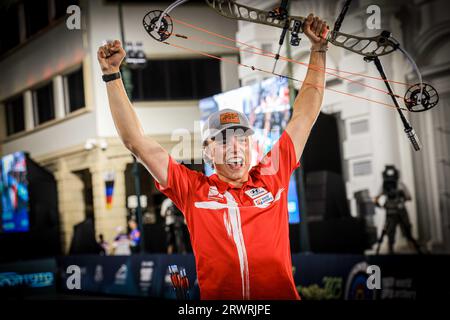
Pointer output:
x,y
111,76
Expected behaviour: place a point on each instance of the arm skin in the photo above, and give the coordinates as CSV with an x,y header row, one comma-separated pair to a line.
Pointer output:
x,y
147,150
308,102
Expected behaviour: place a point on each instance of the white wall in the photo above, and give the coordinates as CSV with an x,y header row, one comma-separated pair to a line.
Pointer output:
x,y
54,138
42,59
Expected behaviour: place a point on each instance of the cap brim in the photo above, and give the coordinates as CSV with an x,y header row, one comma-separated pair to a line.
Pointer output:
x,y
247,130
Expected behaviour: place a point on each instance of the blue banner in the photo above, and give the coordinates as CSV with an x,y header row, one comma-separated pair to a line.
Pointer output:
x,y
28,277
317,276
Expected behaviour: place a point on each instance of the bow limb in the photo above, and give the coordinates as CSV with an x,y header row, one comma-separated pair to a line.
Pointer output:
x,y
366,46
232,10
167,11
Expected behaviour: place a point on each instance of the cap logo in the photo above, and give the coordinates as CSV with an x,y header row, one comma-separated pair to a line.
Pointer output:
x,y
229,117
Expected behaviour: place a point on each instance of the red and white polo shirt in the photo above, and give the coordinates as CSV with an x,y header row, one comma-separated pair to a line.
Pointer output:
x,y
240,236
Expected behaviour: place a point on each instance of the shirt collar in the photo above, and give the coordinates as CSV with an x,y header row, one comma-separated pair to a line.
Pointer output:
x,y
253,180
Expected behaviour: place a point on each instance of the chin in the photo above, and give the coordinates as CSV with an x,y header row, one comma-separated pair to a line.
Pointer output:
x,y
236,175
233,174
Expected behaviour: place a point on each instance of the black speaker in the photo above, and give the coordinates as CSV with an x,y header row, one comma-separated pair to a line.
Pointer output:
x,y
325,196
322,151
324,188
366,211
343,235
83,239
43,238
364,204
294,237
155,238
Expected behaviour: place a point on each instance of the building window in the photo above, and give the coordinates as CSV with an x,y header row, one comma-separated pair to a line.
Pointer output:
x,y
43,104
15,118
74,90
356,86
176,80
362,168
9,20
36,16
360,126
266,47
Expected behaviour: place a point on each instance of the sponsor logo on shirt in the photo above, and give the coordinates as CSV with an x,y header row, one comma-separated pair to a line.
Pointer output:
x,y
213,193
256,192
265,199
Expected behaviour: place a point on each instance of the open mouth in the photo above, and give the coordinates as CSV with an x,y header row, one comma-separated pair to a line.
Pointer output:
x,y
235,163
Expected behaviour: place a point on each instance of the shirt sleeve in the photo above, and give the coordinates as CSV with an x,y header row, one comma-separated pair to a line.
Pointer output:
x,y
180,180
281,160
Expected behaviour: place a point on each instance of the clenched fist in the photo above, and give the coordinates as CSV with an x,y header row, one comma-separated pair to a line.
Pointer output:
x,y
110,57
316,30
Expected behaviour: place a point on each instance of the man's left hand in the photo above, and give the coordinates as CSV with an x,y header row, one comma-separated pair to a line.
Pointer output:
x,y
316,30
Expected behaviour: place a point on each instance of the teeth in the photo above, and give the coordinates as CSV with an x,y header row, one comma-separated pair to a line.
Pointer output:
x,y
236,160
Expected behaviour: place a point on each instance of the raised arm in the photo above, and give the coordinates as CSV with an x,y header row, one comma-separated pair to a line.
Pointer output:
x,y
309,99
147,150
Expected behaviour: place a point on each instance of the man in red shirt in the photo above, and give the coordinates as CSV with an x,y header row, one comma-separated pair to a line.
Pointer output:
x,y
238,217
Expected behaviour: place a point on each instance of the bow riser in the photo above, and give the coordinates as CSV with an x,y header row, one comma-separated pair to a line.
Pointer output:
x,y
233,10
366,46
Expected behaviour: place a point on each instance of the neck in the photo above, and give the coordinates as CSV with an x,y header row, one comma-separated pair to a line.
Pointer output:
x,y
238,183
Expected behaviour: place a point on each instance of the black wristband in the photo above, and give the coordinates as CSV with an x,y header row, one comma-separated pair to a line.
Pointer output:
x,y
111,77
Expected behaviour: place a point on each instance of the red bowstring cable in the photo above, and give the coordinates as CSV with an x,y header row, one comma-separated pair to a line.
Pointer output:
x,y
269,72
284,58
313,67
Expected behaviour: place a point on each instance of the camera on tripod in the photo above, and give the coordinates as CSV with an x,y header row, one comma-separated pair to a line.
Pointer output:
x,y
396,195
390,179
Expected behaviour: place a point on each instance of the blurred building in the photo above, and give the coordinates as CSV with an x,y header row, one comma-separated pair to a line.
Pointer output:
x,y
54,103
371,134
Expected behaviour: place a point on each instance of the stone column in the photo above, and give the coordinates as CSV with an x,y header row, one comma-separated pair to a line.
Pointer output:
x,y
108,219
58,97
70,202
28,110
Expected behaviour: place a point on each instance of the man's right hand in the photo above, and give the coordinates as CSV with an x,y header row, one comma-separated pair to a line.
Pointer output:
x,y
110,57
147,150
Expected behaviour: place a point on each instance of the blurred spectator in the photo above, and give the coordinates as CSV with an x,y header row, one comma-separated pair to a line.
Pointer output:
x,y
121,245
104,245
135,236
175,224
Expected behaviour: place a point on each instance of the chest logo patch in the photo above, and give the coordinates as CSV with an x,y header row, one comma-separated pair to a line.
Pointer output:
x,y
256,192
264,200
213,193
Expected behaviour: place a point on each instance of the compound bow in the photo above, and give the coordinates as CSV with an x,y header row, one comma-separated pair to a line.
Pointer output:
x,y
419,97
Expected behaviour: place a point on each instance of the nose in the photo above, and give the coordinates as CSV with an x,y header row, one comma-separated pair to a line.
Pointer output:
x,y
237,141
